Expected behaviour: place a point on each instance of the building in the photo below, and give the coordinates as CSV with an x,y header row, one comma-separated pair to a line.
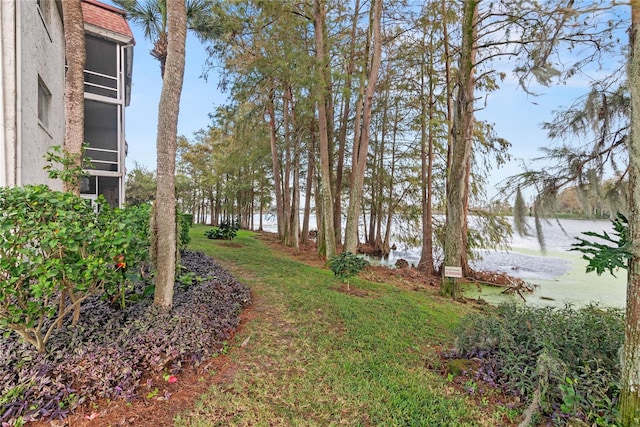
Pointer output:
x,y
32,71
32,76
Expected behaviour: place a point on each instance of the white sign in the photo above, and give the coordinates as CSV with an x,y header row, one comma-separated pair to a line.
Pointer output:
x,y
452,271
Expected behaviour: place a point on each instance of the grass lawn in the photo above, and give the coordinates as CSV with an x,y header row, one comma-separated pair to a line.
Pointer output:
x,y
311,355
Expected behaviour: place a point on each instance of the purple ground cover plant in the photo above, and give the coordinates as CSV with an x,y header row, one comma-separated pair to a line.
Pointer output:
x,y
108,353
570,355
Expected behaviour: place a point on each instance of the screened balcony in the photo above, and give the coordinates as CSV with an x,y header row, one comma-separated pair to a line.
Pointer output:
x,y
107,79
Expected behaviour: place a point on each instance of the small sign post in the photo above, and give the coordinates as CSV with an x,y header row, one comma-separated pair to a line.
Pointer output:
x,y
455,272
451,274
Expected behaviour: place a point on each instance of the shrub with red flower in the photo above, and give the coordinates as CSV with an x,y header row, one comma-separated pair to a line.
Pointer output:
x,y
120,262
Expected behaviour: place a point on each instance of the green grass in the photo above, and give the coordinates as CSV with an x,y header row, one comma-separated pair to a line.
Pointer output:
x,y
316,356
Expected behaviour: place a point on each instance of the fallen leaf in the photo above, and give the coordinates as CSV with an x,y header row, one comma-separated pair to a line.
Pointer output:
x,y
93,416
245,342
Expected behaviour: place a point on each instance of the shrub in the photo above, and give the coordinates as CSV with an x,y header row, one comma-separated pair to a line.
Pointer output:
x,y
111,351
185,221
226,231
130,231
347,265
570,356
56,247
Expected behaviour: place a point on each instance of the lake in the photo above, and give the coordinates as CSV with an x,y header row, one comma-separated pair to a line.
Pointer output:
x,y
558,274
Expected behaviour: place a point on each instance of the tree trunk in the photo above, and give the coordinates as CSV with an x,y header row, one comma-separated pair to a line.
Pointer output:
x,y
426,161
454,248
364,222
286,175
321,243
630,382
361,146
344,123
311,173
276,167
324,187
329,116
464,259
74,85
391,203
165,212
449,90
380,175
217,207
260,208
294,214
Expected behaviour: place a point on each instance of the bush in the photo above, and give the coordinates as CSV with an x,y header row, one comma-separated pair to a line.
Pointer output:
x,y
226,231
57,250
185,221
347,265
571,356
131,238
110,352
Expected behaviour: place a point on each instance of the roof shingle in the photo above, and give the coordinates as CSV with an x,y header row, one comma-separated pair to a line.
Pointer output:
x,y
107,17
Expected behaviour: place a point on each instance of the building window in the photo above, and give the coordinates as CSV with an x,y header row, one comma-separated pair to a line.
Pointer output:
x,y
44,104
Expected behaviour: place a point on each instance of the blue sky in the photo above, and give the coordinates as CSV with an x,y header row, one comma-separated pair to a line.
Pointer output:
x,y
518,117
199,98
515,115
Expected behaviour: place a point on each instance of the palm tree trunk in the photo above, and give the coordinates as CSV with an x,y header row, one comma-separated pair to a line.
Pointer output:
x,y
74,84
165,212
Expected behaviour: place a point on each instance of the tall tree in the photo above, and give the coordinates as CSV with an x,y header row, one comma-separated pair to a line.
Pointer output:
x,y
361,144
165,208
531,32
310,179
434,45
427,107
630,381
275,162
328,247
454,249
255,33
293,239
140,185
74,84
345,117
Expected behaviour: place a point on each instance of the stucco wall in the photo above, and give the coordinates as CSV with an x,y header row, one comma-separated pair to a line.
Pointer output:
x,y
8,127
42,56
